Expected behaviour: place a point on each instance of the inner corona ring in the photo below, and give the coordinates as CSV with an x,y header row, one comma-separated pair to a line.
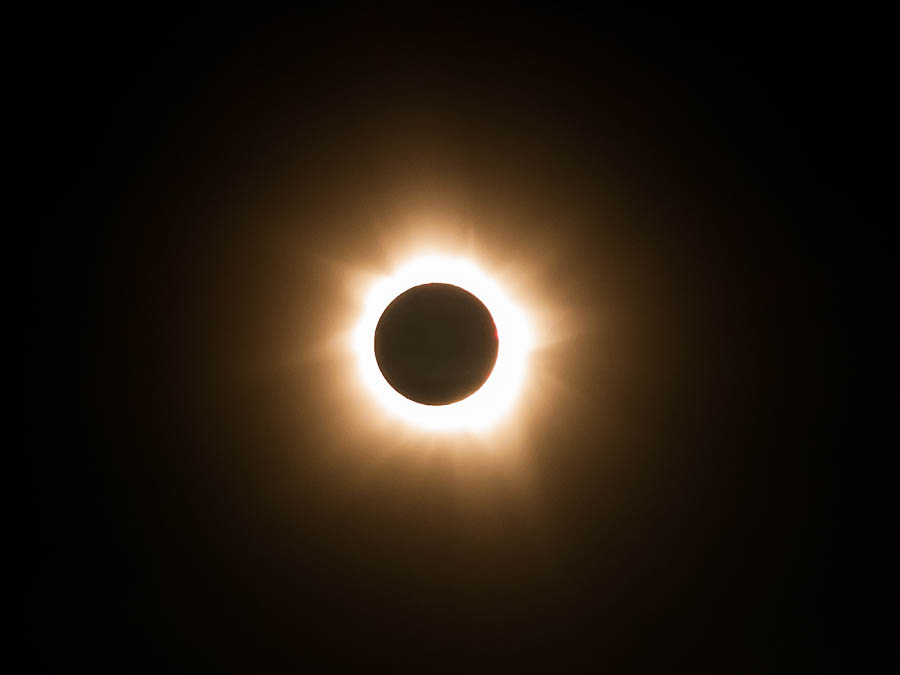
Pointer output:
x,y
450,346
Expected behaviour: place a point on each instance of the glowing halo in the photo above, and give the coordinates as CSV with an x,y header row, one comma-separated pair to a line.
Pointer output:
x,y
497,395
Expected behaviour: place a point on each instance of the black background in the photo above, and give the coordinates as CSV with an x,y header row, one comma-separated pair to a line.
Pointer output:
x,y
688,169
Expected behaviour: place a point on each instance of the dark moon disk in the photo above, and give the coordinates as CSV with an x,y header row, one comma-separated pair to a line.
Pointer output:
x,y
436,344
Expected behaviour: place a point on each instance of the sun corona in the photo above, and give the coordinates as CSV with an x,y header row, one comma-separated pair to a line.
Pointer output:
x,y
497,395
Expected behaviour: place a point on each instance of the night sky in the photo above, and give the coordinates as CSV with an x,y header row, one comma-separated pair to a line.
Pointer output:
x,y
211,491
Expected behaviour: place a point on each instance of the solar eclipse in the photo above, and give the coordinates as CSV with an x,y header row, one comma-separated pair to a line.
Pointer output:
x,y
442,345
396,340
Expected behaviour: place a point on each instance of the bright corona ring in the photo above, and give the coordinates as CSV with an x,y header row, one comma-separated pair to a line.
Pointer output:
x,y
496,397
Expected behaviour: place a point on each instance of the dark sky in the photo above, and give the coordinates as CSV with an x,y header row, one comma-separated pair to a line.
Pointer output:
x,y
661,184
